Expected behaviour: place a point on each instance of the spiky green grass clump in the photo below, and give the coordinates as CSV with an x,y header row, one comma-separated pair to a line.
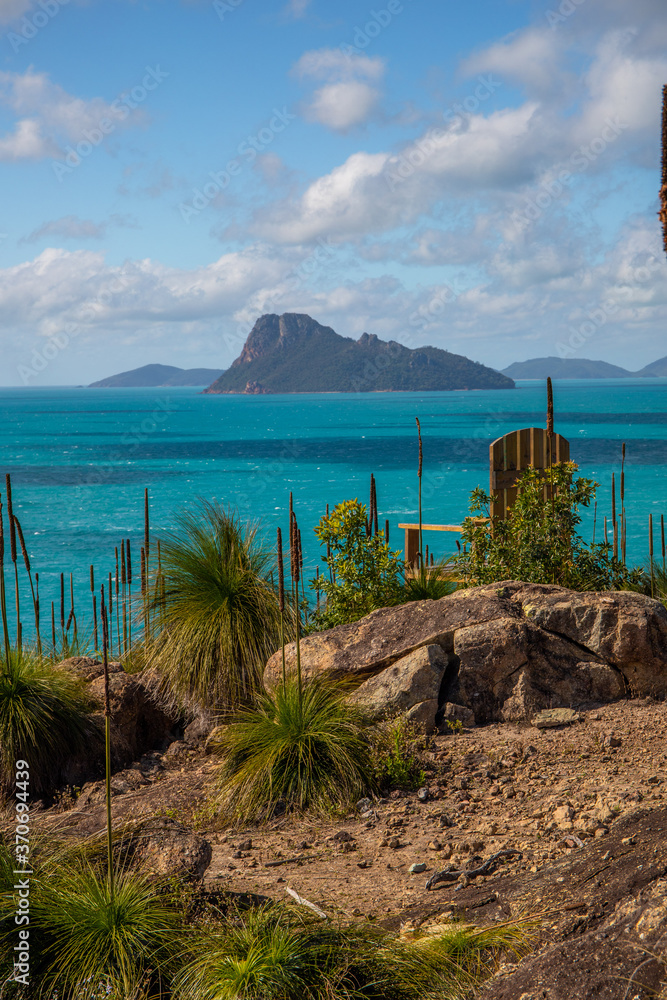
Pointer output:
x,y
259,956
45,717
98,942
306,748
275,954
430,583
218,611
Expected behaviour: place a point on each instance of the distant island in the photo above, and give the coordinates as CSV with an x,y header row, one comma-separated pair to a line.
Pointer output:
x,y
158,375
295,353
559,368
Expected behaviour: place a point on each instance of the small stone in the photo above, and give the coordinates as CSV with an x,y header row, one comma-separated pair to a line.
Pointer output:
x,y
364,805
613,741
363,864
394,843
550,718
237,854
343,837
245,845
435,845
628,841
417,868
654,780
600,832
462,784
423,794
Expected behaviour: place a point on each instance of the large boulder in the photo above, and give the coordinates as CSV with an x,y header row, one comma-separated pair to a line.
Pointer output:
x,y
168,848
509,650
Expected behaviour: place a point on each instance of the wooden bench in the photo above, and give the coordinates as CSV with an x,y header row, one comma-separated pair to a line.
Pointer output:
x,y
412,538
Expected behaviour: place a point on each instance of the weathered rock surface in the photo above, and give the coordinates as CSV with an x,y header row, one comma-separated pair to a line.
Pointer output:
x,y
167,847
138,725
512,649
413,680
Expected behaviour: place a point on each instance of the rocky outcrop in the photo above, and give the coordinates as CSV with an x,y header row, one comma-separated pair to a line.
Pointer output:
x,y
411,681
507,651
138,725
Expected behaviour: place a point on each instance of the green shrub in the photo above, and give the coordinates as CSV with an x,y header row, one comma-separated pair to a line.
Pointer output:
x,y
218,612
538,542
364,574
307,750
45,717
255,956
95,943
396,747
275,954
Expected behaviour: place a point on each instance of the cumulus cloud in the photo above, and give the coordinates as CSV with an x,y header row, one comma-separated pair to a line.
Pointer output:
x,y
10,10
47,115
350,94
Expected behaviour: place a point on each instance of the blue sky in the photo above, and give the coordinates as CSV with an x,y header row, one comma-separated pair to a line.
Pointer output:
x,y
482,179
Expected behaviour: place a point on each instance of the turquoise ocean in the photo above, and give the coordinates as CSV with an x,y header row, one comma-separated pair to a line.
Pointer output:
x,y
80,459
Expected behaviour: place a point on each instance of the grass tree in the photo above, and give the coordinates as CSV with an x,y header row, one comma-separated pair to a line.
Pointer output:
x,y
301,745
218,609
45,717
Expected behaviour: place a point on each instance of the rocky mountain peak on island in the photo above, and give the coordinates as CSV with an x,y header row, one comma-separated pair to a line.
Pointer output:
x,y
295,353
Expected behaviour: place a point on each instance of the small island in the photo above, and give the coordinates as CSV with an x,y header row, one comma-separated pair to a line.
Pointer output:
x,y
295,353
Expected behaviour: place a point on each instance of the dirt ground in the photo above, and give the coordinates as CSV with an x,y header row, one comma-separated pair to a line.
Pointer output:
x,y
583,804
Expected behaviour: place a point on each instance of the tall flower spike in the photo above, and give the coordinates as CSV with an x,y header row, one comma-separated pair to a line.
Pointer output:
x,y
662,214
281,574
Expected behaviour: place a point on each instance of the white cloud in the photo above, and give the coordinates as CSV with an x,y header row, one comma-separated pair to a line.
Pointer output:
x,y
47,115
349,97
10,10
530,56
341,106
297,8
26,142
371,193
70,227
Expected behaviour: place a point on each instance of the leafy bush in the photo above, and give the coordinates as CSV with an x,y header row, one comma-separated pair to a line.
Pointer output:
x,y
304,748
364,574
537,542
396,745
45,717
218,611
